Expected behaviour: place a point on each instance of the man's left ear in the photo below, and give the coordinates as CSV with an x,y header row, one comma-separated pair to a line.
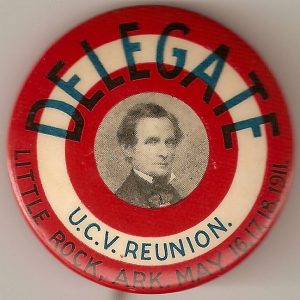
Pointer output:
x,y
127,151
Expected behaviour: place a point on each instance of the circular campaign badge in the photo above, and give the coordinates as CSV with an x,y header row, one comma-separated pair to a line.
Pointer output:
x,y
148,155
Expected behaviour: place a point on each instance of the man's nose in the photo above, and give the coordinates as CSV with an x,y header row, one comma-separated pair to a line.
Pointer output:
x,y
163,151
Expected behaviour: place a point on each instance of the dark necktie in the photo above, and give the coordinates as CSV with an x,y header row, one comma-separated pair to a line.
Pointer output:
x,y
162,193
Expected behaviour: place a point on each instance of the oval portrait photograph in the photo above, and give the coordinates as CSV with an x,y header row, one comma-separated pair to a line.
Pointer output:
x,y
151,150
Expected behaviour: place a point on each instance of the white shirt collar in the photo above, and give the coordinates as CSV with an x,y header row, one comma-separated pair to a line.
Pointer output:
x,y
150,178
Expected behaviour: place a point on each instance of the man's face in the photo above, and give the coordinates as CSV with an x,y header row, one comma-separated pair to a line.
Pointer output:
x,y
154,151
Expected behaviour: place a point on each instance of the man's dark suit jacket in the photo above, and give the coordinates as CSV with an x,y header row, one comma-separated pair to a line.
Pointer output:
x,y
138,191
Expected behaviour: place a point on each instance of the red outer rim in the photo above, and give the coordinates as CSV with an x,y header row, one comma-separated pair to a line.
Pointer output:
x,y
275,153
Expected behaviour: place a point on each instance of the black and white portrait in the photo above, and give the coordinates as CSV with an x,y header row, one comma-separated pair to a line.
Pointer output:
x,y
151,150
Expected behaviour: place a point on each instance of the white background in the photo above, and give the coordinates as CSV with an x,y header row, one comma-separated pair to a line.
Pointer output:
x,y
27,29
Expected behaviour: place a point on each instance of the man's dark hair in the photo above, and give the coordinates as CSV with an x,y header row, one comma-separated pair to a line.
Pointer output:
x,y
126,133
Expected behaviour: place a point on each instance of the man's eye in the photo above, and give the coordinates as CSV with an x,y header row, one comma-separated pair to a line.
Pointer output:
x,y
152,141
171,142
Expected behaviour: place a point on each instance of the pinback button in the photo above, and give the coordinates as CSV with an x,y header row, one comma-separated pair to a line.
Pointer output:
x,y
150,156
